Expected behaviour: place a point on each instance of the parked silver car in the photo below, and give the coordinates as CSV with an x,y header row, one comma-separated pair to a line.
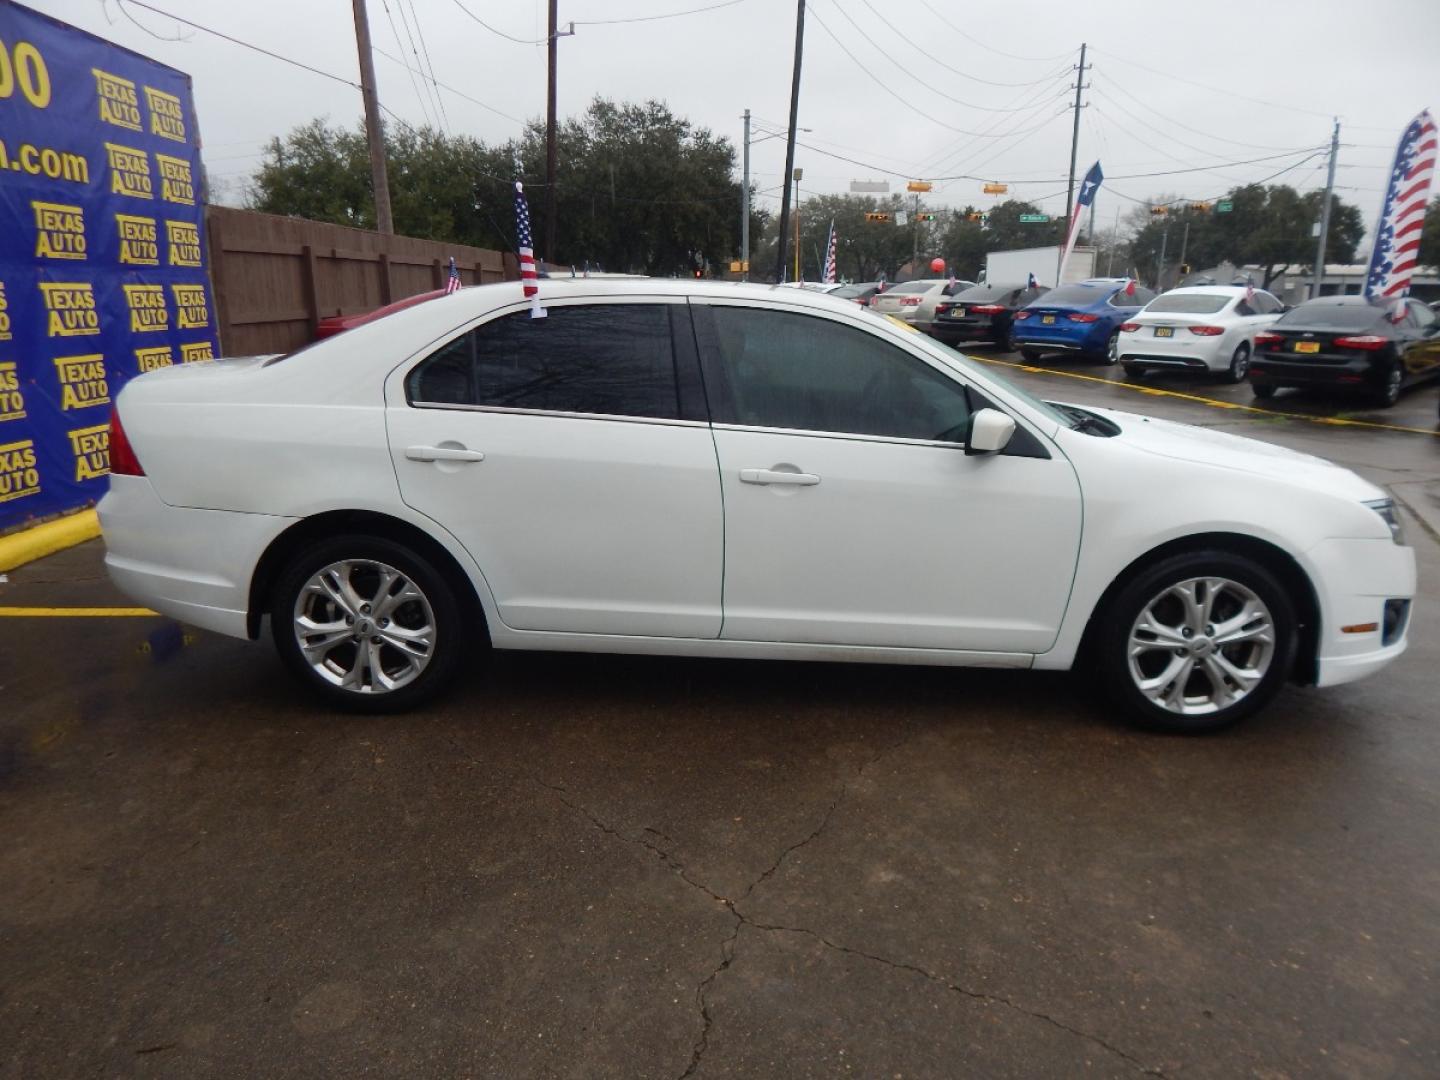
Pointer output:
x,y
914,301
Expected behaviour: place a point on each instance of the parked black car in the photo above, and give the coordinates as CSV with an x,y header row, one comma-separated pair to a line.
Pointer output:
x,y
860,292
983,313
1377,347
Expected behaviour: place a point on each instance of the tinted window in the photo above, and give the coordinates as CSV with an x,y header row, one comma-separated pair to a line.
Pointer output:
x,y
1079,295
986,294
1266,304
852,292
1186,303
1139,298
786,370
1350,316
613,359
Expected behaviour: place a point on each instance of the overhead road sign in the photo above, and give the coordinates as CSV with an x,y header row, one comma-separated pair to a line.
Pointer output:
x,y
869,187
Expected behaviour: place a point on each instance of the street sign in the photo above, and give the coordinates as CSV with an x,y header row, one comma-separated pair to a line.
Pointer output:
x,y
1224,206
869,187
901,217
1029,219
995,189
919,185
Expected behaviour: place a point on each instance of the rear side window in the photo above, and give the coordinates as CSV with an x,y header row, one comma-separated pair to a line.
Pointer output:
x,y
1340,316
911,287
610,359
986,294
1078,295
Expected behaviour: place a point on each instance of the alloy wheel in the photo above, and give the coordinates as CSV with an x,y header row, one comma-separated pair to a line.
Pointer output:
x,y
364,627
1201,645
1240,363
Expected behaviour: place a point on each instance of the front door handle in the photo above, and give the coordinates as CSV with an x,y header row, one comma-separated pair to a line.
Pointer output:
x,y
778,476
442,453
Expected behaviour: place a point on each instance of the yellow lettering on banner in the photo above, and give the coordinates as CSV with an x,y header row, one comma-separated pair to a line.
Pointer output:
x,y
91,447
59,231
191,311
129,172
153,358
5,333
71,308
139,240
12,401
184,243
82,381
196,351
119,104
167,118
147,308
19,475
176,184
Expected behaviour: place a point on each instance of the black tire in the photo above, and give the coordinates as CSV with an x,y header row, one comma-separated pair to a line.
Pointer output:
x,y
1389,392
1007,340
445,646
1112,350
1134,372
1239,364
1031,355
1263,391
1111,642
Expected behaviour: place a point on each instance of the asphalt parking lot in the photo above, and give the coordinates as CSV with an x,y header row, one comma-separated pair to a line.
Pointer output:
x,y
585,866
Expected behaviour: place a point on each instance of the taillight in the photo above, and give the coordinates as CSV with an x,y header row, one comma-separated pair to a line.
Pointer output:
x,y
941,309
123,461
909,301
1129,327
1267,339
1207,331
987,309
1365,342
1082,316
1021,315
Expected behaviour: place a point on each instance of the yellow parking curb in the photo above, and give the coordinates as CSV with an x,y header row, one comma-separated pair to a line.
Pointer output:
x,y
41,540
1214,403
77,613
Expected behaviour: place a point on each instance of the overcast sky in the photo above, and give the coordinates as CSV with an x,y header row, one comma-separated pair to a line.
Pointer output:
x,y
1175,86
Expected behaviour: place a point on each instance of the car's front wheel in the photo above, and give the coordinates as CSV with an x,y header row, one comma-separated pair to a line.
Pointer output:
x,y
1197,641
367,623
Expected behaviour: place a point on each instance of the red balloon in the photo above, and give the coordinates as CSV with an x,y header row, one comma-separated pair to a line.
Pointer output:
x,y
938,265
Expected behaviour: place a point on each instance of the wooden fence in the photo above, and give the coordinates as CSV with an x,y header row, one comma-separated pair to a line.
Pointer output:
x,y
276,277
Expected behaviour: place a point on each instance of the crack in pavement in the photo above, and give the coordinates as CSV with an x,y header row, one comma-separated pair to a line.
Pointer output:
x,y
730,945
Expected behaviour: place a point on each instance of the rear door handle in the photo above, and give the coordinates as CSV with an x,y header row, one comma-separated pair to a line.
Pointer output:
x,y
778,476
442,453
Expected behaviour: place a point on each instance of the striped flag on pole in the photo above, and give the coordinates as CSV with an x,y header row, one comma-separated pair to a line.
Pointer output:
x,y
829,276
525,245
452,283
1402,214
1088,187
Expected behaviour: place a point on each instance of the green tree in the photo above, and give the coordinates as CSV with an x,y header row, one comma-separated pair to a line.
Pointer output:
x,y
1006,232
1430,235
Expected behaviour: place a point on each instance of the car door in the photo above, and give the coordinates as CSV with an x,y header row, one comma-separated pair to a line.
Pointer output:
x,y
1421,346
853,515
572,457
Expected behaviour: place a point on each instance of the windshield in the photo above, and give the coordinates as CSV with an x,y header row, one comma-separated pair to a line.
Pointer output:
x,y
1080,295
911,287
1340,316
980,294
989,374
849,292
1189,303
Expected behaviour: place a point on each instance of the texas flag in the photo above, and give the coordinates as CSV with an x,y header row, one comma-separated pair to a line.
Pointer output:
x,y
1089,187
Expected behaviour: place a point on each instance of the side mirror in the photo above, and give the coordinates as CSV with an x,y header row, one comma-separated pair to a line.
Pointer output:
x,y
990,430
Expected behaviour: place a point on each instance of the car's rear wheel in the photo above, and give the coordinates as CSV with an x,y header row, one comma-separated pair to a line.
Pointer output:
x,y
1239,363
1112,349
1197,641
367,623
1007,340
1389,392
1263,391
1031,354
1134,371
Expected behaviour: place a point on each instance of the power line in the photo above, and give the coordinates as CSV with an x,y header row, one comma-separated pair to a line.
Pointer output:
x,y
242,44
947,158
990,48
401,46
1211,198
657,18
500,33
1198,149
1216,89
1110,82
439,107
458,93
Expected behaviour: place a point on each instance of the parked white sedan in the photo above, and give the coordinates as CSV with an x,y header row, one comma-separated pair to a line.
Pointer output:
x,y
1206,328
707,469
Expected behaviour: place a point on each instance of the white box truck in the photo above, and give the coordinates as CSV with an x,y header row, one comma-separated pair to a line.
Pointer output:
x,y
1015,267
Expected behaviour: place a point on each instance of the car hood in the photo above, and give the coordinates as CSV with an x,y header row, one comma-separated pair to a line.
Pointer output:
x,y
1220,449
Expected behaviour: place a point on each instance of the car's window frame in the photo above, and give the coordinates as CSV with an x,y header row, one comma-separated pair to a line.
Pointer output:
x,y
692,407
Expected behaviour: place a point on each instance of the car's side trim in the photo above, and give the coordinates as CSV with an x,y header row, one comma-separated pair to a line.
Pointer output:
x,y
664,421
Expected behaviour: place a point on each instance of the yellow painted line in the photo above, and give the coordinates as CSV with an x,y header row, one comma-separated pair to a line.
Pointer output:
x,y
76,613
17,549
1214,403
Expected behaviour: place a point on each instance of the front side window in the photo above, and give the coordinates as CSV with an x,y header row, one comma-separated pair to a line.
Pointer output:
x,y
611,359
787,370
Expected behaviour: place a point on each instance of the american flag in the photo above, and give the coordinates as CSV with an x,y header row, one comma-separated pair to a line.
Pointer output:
x,y
528,279
829,276
1402,214
452,283
1032,283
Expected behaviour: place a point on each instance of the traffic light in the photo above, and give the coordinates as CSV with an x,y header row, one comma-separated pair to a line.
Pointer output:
x,y
873,216
976,217
925,216
1159,211
1200,207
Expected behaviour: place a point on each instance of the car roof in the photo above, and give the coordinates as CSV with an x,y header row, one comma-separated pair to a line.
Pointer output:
x,y
1347,301
1208,290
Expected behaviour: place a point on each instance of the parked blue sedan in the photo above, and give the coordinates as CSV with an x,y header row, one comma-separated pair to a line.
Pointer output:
x,y
1081,318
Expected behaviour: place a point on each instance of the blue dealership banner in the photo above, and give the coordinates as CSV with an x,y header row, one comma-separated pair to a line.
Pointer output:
x,y
103,269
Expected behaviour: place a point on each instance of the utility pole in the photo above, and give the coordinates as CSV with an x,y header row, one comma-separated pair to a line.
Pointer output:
x,y
1074,148
1319,275
915,236
1164,240
745,208
798,174
790,141
550,153
379,180
1114,239
1184,244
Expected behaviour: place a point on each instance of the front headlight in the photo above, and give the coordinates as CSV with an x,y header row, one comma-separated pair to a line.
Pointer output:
x,y
1386,509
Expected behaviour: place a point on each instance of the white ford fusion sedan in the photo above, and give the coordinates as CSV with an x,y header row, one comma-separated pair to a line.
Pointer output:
x,y
710,469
